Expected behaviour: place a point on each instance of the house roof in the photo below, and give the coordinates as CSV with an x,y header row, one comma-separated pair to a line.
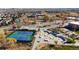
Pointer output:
x,y
76,23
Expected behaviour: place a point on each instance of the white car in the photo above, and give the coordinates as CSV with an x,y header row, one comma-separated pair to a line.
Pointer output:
x,y
8,21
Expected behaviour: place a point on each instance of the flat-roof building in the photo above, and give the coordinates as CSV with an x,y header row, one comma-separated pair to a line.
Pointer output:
x,y
73,25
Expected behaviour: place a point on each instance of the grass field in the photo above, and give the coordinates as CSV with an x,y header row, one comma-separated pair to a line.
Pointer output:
x,y
64,48
77,32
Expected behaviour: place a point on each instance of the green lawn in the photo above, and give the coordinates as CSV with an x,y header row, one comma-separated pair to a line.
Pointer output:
x,y
64,48
77,32
71,40
52,47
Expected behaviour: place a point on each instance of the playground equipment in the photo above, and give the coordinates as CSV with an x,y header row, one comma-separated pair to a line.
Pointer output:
x,y
11,40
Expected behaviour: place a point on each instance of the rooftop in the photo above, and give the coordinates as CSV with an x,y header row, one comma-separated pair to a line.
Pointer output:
x,y
76,23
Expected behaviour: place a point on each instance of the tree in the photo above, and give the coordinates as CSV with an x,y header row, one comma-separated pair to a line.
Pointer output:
x,y
56,43
63,17
46,18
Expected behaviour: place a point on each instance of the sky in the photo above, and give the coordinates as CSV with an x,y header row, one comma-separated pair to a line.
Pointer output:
x,y
39,3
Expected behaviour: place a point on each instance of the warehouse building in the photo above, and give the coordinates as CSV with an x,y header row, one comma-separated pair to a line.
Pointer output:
x,y
73,25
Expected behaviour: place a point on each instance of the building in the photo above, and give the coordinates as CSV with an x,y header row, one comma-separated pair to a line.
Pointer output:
x,y
71,18
73,25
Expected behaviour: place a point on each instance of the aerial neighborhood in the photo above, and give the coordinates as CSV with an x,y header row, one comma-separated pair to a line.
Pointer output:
x,y
39,29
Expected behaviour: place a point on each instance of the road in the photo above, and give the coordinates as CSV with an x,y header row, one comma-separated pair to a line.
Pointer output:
x,y
6,27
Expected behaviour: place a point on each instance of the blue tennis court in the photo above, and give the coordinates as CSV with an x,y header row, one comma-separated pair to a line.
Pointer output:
x,y
22,35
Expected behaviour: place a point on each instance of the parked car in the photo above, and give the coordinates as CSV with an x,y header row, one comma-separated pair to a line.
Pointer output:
x,y
46,40
8,22
1,22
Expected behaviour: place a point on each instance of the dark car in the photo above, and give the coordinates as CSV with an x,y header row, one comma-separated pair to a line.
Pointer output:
x,y
1,22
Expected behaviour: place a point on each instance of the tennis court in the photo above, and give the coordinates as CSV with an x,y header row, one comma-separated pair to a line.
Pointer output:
x,y
22,35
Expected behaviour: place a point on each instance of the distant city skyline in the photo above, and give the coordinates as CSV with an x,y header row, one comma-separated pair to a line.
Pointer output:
x,y
38,9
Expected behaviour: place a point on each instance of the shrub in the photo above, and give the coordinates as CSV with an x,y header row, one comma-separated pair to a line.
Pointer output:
x,y
70,40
